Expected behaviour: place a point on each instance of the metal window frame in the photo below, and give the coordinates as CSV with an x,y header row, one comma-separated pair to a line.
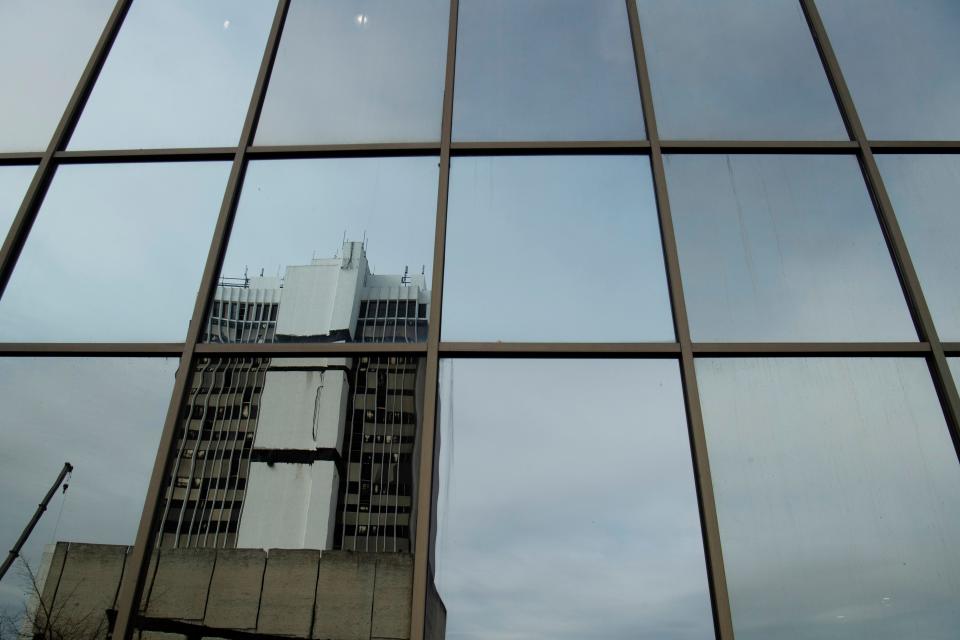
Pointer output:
x,y
684,350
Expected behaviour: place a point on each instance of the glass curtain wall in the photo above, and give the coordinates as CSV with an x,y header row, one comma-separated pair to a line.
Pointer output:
x,y
479,319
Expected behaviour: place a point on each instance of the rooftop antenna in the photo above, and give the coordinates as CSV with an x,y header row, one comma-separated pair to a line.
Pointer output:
x,y
405,278
261,272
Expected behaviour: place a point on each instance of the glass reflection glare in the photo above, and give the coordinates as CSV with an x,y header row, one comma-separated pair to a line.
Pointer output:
x,y
115,254
566,502
44,47
104,415
545,70
180,74
348,76
558,248
13,186
783,248
924,191
899,60
836,487
329,250
736,70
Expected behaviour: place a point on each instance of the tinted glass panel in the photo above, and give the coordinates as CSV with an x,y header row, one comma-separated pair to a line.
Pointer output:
x,y
836,487
44,47
104,416
783,248
290,505
329,251
925,191
115,254
13,186
545,70
955,369
736,70
554,249
180,74
354,72
567,519
899,60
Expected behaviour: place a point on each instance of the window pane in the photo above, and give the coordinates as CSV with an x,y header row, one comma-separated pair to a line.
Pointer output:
x,y
104,415
545,70
290,504
550,530
13,186
44,47
783,248
836,487
329,250
554,249
180,74
955,369
924,191
736,70
899,60
115,254
350,72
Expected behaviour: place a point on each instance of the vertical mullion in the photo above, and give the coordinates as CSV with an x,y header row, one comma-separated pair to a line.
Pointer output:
x,y
20,228
424,498
130,591
709,524
910,282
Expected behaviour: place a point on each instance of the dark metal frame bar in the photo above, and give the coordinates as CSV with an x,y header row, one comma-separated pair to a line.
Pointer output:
x,y
684,350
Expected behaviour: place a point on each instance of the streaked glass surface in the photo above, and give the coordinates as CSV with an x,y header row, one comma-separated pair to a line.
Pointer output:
x,y
566,502
14,181
554,248
290,506
736,71
329,250
925,190
356,72
104,416
545,70
783,248
836,488
180,74
899,59
44,47
115,254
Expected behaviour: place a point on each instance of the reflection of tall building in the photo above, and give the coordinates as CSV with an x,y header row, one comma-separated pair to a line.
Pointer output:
x,y
303,452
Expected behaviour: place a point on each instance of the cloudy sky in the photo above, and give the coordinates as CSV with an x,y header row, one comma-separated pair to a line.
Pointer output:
x,y
567,506
836,486
736,71
115,254
102,415
554,249
782,248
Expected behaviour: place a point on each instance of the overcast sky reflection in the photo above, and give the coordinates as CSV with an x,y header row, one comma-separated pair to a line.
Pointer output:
x,y
567,507
115,254
836,487
102,415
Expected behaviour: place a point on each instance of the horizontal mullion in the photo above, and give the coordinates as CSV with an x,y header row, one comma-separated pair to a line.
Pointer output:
x,y
759,146
951,348
92,349
543,147
285,152
295,349
146,155
914,146
559,350
22,158
770,349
